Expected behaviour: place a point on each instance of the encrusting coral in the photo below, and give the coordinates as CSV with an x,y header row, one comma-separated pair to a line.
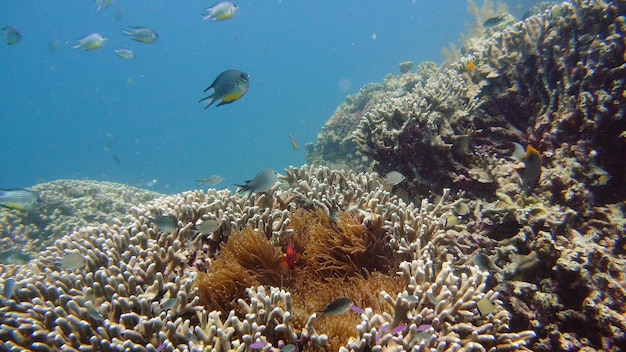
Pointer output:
x,y
142,289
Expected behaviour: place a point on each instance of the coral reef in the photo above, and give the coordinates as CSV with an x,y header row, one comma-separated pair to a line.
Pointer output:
x,y
554,80
142,289
66,205
335,147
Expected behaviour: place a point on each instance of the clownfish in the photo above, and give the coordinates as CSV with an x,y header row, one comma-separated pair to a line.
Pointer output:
x,y
291,256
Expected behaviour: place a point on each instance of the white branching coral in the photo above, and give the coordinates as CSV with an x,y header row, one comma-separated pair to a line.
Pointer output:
x,y
135,287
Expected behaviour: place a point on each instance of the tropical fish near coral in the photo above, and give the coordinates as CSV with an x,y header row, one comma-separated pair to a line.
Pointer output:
x,y
211,180
19,199
72,261
90,42
164,223
141,34
223,10
12,35
262,182
336,307
470,66
291,256
206,227
494,21
532,167
229,86
485,307
393,178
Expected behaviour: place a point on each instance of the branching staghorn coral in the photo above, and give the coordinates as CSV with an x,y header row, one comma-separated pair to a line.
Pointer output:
x,y
419,133
138,289
437,311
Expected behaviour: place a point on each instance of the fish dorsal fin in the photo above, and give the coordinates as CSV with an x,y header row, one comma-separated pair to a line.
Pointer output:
x,y
519,153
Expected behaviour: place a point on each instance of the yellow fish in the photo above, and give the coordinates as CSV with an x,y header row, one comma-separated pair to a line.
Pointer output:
x,y
91,41
141,34
223,10
19,199
294,142
228,87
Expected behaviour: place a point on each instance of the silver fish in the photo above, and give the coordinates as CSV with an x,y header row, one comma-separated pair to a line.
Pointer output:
x,y
19,199
126,54
221,11
164,223
72,261
262,182
142,34
90,42
208,226
393,178
210,180
337,307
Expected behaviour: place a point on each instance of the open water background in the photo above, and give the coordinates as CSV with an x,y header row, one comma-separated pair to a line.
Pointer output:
x,y
67,113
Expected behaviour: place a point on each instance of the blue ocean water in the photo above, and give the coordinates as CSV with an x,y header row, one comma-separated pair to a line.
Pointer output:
x,y
67,113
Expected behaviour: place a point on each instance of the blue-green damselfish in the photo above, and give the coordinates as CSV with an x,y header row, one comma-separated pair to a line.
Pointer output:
x,y
19,199
228,87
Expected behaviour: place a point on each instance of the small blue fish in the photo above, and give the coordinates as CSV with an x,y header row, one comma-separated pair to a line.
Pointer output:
x,y
90,42
142,34
223,10
229,86
19,199
262,182
126,54
11,35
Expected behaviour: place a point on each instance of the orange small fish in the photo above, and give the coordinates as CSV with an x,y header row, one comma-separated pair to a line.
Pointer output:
x,y
470,67
291,256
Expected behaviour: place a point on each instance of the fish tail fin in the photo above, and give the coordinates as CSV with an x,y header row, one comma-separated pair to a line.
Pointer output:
x,y
240,188
208,101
